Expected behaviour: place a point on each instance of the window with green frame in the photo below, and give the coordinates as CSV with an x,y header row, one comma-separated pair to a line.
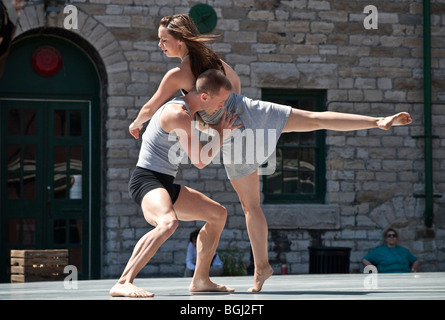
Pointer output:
x,y
300,156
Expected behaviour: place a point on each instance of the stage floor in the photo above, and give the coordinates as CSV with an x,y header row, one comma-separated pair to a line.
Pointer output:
x,y
412,286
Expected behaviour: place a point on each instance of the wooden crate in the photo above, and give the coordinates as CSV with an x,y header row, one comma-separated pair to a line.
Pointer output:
x,y
38,265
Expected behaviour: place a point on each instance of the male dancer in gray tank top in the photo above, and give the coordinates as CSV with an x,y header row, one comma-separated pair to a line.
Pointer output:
x,y
163,203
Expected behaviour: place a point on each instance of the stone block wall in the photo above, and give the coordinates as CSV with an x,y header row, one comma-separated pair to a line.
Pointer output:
x,y
372,176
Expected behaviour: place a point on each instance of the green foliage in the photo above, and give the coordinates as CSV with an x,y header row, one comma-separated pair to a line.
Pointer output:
x,y
232,259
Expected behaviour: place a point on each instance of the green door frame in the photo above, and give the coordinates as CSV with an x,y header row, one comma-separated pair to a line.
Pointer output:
x,y
67,86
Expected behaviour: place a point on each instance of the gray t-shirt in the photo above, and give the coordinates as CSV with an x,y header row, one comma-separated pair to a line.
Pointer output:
x,y
252,145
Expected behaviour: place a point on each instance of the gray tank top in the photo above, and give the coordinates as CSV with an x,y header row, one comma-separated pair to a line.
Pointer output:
x,y
160,150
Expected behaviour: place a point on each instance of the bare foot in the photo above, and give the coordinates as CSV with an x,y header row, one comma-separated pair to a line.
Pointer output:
x,y
259,278
400,119
208,286
129,290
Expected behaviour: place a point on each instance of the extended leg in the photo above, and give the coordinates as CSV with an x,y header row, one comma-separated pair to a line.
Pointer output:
x,y
301,121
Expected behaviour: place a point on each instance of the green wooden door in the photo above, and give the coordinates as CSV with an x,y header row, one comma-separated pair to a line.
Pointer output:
x,y
45,160
49,174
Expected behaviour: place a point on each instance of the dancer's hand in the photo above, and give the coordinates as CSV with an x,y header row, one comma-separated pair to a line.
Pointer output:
x,y
400,119
226,125
134,130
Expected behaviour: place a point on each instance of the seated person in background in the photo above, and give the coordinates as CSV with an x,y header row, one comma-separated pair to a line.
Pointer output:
x,y
216,267
391,258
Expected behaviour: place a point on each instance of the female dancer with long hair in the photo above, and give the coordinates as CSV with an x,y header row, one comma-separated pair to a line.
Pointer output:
x,y
179,38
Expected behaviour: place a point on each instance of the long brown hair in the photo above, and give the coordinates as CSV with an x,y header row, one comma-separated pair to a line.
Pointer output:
x,y
202,58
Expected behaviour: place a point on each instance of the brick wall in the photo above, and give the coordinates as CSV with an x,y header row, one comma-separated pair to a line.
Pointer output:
x,y
371,175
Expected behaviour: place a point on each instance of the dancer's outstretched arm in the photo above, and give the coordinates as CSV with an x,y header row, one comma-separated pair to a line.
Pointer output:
x,y
303,121
173,81
177,78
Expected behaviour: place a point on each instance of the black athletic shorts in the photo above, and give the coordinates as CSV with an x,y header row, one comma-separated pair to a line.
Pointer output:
x,y
144,180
